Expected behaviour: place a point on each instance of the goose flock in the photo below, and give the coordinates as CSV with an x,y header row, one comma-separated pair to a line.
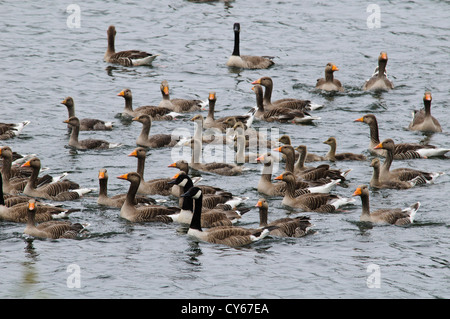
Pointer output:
x,y
211,213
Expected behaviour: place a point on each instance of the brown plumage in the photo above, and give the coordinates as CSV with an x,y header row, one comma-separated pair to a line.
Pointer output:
x,y
10,130
423,120
310,157
152,141
348,156
329,83
86,124
379,80
375,181
178,105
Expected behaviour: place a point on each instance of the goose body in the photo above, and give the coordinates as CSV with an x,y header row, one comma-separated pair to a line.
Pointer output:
x,y
153,141
379,80
329,83
126,57
178,105
10,130
86,124
246,61
348,156
394,216
423,120
375,181
310,157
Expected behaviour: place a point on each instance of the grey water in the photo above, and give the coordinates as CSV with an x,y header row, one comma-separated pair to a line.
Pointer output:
x,y
48,54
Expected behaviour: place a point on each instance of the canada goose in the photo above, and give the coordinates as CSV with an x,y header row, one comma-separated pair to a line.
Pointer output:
x,y
290,103
246,61
86,144
316,202
279,113
393,184
402,150
403,174
10,130
423,120
286,227
151,213
51,229
58,191
152,141
156,113
379,80
183,166
158,186
348,156
310,157
128,57
395,216
86,124
178,105
329,83
119,199
230,236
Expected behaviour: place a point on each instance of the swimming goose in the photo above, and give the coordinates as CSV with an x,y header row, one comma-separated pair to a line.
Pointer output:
x,y
403,174
279,113
157,186
86,124
423,120
286,227
329,83
225,235
178,105
402,150
208,136
118,199
379,80
86,144
316,202
10,130
156,113
51,229
310,157
392,184
394,216
291,103
183,166
151,213
58,191
246,61
153,141
348,156
127,57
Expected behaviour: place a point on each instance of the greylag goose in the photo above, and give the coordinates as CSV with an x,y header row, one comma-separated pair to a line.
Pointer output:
x,y
61,190
127,57
316,202
392,184
394,216
210,135
379,80
178,105
86,124
291,103
151,213
225,235
279,113
118,199
423,120
246,61
153,141
86,144
51,229
402,174
348,156
158,186
402,150
10,130
310,157
329,83
156,113
286,227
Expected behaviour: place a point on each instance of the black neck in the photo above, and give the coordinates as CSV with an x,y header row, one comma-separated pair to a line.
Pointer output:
x,y
196,218
236,43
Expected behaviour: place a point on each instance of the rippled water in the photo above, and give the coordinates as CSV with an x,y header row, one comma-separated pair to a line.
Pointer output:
x,y
43,61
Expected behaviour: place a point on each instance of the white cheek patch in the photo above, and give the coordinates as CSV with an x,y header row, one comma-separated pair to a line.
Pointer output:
x,y
197,195
183,182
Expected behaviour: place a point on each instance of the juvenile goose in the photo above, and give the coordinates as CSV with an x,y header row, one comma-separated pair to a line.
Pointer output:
x,y
10,130
286,227
348,156
246,61
315,202
329,83
402,150
156,113
151,213
86,124
154,141
230,236
86,144
178,105
394,216
393,184
379,80
423,120
127,57
51,229
291,103
310,157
